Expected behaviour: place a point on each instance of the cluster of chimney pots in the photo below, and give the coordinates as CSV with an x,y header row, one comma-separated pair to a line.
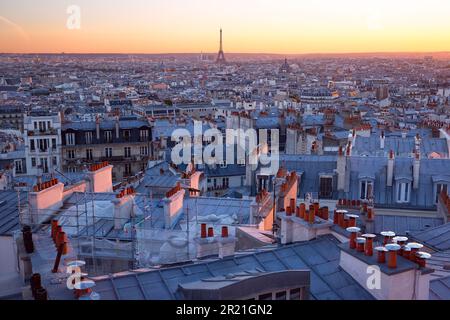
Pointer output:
x,y
59,237
45,185
307,215
98,166
125,192
363,207
206,232
392,245
38,292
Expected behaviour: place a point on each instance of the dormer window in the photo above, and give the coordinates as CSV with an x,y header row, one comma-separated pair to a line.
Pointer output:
x,y
403,192
441,187
365,189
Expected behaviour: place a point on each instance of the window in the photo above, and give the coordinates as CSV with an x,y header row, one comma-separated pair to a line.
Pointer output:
x,y
53,144
43,145
127,152
126,135
33,162
128,169
366,190
72,169
108,136
440,187
88,136
44,165
54,161
71,154
144,151
70,139
295,294
280,295
326,187
226,182
89,154
18,165
403,190
32,146
144,135
266,296
108,152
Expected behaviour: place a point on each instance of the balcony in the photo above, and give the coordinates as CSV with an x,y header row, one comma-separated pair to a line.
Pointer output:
x,y
38,132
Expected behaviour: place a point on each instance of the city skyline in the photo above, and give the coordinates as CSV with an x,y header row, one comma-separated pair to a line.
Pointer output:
x,y
172,26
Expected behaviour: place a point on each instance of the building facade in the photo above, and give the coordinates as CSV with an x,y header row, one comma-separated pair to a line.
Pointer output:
x,y
125,143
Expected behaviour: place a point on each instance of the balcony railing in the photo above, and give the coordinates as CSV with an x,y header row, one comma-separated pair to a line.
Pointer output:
x,y
38,132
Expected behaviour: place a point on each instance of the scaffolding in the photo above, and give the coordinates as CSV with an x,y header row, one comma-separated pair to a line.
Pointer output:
x,y
111,244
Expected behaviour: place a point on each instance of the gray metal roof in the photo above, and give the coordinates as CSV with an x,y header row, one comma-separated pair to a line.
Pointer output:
x,y
440,289
437,238
401,224
9,213
321,256
401,146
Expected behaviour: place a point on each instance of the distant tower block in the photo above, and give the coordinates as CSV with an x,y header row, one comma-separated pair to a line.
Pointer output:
x,y
221,55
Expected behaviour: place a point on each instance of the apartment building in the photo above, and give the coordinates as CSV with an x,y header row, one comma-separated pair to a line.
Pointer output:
x,y
124,142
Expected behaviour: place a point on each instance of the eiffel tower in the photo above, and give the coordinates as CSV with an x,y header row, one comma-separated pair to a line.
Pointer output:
x,y
221,55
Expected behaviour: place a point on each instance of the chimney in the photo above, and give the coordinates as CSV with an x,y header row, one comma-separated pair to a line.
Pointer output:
x,y
44,200
123,208
382,140
302,227
100,177
387,236
415,247
398,279
203,230
340,168
206,245
390,169
353,235
401,241
421,258
173,204
368,250
360,244
227,244
416,170
393,248
302,211
381,254
352,220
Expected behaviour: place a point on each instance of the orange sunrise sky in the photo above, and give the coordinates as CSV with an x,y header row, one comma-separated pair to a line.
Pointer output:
x,y
253,26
